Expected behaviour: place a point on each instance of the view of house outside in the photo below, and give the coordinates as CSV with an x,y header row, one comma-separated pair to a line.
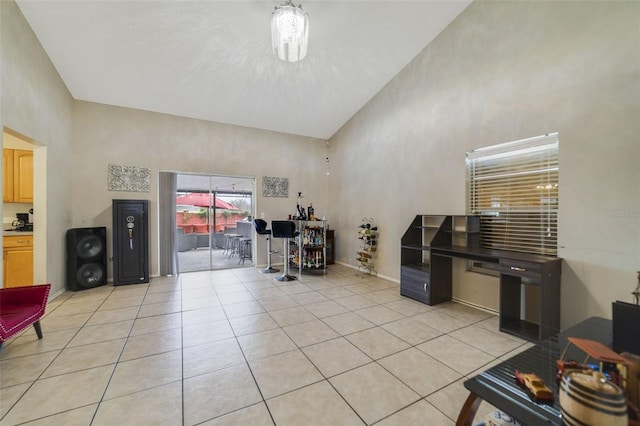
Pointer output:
x,y
193,213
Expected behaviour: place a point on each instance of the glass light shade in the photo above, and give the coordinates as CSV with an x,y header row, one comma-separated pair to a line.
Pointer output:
x,y
290,32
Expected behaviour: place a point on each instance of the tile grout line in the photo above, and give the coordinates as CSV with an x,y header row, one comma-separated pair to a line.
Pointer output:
x,y
115,365
254,298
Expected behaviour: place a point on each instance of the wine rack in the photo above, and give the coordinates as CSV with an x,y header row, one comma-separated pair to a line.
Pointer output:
x,y
368,236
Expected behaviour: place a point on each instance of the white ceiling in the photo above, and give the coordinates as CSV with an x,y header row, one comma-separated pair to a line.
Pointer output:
x,y
212,60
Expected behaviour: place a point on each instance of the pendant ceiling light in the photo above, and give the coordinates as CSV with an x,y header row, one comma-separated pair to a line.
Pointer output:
x,y
290,32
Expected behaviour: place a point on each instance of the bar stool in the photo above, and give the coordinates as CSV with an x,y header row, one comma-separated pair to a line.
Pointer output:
x,y
227,244
244,249
233,241
284,229
261,229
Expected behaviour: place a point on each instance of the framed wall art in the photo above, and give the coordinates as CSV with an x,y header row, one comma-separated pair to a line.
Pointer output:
x,y
275,187
129,178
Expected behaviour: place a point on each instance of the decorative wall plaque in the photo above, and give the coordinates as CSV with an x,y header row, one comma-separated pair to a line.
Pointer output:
x,y
129,178
275,187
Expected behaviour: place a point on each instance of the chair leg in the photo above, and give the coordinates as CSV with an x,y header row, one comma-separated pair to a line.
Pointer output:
x,y
36,325
244,250
269,269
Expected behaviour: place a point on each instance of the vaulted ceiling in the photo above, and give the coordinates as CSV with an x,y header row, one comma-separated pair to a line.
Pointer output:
x,y
212,60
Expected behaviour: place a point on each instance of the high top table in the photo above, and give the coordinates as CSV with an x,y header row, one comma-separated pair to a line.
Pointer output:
x,y
498,386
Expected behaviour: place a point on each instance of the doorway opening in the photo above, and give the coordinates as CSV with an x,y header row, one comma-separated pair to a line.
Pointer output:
x,y
214,221
23,192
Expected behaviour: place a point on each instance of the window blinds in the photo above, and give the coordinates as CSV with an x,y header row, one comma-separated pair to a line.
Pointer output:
x,y
514,188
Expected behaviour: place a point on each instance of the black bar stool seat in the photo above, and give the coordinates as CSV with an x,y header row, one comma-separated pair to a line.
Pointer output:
x,y
261,229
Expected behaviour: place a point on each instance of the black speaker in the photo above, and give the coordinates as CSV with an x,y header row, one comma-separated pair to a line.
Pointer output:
x,y
86,258
626,333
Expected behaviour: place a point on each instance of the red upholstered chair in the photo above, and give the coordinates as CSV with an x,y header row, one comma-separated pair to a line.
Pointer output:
x,y
21,307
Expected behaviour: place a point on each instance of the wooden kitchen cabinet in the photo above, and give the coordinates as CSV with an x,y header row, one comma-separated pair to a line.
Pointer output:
x,y
22,176
7,176
18,260
17,179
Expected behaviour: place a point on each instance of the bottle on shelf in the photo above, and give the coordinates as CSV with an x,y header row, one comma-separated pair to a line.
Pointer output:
x,y
300,213
367,234
305,236
311,244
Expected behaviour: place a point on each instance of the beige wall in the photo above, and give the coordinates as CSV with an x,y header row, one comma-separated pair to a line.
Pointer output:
x,y
79,140
111,135
501,71
504,71
36,105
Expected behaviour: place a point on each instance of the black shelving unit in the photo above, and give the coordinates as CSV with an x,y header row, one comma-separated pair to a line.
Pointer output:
x,y
425,274
431,241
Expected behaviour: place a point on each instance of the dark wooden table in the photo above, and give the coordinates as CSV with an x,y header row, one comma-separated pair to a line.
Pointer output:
x,y
498,386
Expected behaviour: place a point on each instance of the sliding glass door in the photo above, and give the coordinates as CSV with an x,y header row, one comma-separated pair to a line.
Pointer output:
x,y
214,222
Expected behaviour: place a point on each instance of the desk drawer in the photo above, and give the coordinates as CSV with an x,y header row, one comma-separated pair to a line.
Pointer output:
x,y
521,268
18,241
412,273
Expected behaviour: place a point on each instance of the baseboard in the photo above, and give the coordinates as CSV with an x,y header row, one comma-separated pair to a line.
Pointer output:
x,y
395,280
52,296
474,306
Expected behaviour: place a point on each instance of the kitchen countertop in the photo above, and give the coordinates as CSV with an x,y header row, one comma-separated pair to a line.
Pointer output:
x,y
12,233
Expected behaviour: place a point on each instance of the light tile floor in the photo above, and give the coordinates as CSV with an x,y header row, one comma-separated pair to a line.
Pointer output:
x,y
235,347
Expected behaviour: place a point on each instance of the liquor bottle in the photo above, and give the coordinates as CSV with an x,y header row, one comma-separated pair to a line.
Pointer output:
x,y
311,212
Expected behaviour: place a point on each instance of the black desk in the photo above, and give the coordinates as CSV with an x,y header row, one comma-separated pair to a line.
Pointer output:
x,y
517,268
498,387
432,241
